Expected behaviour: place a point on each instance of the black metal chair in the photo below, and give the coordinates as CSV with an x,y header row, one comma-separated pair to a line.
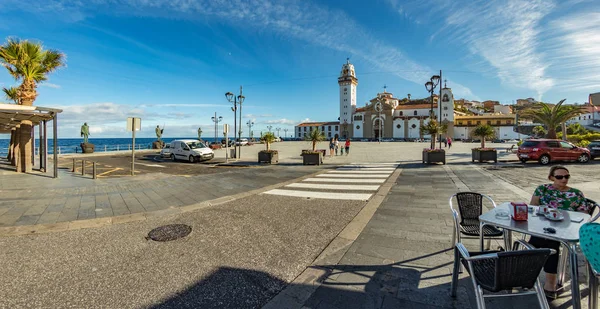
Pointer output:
x,y
466,218
502,271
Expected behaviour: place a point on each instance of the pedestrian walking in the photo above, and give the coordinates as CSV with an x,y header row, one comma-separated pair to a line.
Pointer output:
x,y
331,147
337,146
445,142
449,141
342,150
347,145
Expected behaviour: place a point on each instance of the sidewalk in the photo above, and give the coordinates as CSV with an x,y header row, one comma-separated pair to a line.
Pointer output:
x,y
403,256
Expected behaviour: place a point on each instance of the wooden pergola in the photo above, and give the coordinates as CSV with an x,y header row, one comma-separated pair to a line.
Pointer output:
x,y
11,116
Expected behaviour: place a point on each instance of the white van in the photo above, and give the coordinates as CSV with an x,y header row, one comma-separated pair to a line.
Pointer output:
x,y
191,150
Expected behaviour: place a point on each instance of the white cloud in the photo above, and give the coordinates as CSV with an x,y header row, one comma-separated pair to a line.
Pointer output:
x,y
283,121
50,85
504,33
253,116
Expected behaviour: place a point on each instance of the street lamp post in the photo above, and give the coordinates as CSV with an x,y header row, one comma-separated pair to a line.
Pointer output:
x,y
285,130
236,100
440,106
430,86
216,120
278,129
250,124
269,127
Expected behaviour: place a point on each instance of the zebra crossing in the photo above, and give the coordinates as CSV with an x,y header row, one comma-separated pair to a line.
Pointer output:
x,y
349,182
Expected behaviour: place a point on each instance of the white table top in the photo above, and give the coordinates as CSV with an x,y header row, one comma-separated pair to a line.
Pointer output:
x,y
566,230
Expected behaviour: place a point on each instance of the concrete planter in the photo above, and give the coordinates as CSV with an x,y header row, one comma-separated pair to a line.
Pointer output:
x,y
484,155
87,147
271,157
434,157
312,158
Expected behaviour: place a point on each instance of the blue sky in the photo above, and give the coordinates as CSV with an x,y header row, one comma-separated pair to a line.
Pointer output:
x,y
171,61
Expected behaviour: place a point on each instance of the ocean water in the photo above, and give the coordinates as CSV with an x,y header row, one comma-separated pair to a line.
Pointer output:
x,y
71,145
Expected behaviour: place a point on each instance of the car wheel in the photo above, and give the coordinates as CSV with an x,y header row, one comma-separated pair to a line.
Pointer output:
x,y
522,160
192,159
544,159
583,158
173,157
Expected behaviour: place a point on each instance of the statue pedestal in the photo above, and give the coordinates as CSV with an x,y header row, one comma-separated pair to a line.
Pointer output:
x,y
158,145
87,147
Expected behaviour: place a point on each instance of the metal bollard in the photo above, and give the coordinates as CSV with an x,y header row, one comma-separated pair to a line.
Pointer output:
x,y
82,167
73,171
94,170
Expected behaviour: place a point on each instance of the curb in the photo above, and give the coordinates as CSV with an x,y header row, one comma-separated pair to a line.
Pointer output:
x,y
306,283
143,216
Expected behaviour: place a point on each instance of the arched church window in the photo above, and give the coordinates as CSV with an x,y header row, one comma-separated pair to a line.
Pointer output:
x,y
445,98
415,113
398,126
401,113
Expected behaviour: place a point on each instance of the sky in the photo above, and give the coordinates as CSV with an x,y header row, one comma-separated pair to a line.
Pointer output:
x,y
170,62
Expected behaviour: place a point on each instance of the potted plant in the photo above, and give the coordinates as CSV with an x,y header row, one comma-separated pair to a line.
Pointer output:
x,y
269,156
484,154
313,156
433,155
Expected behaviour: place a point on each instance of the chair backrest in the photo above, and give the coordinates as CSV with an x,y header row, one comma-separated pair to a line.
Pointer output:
x,y
592,206
589,240
512,269
470,205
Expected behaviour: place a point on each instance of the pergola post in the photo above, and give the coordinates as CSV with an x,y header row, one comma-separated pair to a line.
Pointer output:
x,y
55,142
41,146
45,152
32,145
17,150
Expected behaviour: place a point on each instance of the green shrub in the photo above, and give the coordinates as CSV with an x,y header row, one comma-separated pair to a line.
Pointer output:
x,y
519,143
583,143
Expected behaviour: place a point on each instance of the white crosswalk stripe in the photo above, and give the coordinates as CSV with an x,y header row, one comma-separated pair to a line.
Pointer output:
x,y
340,184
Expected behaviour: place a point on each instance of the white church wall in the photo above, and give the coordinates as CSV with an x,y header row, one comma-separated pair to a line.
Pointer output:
x,y
413,128
398,131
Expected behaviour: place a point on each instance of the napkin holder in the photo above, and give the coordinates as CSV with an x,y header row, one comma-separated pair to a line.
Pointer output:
x,y
518,211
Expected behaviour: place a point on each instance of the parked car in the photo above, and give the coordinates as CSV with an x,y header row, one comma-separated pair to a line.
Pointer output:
x,y
166,151
191,150
548,150
594,148
242,142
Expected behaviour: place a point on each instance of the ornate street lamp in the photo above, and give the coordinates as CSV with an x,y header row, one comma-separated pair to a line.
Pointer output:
x,y
236,100
278,129
285,130
269,127
216,120
250,124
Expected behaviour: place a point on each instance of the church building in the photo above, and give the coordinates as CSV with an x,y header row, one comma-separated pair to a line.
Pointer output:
x,y
383,117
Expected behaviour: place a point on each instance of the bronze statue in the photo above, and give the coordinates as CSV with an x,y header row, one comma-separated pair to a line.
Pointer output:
x,y
85,132
159,132
200,133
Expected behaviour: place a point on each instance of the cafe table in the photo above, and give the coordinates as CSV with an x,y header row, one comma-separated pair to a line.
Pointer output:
x,y
567,233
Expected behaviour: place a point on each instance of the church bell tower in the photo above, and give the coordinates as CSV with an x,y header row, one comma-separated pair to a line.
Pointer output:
x,y
347,82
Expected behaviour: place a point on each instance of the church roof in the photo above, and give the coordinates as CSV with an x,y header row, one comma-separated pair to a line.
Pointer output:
x,y
416,106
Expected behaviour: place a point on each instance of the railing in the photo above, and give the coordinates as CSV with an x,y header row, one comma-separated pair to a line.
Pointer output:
x,y
77,149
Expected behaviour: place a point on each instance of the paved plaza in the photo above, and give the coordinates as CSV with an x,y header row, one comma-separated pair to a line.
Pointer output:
x,y
368,230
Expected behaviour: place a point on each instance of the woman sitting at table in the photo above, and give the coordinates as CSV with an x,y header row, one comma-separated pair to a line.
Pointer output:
x,y
555,195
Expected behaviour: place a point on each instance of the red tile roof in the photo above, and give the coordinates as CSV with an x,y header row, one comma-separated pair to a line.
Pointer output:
x,y
316,124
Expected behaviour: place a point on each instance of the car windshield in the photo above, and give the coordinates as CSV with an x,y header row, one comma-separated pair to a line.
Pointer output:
x,y
195,145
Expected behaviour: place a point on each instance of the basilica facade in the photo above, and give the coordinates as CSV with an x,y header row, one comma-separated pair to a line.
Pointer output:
x,y
384,116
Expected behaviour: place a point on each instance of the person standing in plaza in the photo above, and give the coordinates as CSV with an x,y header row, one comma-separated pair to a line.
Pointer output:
x,y
556,195
331,147
347,146
449,141
337,146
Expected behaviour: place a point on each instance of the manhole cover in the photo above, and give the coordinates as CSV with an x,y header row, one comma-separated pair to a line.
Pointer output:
x,y
170,232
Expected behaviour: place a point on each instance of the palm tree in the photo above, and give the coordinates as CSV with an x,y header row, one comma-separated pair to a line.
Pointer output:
x,y
11,94
484,131
315,136
434,129
539,131
29,64
268,138
552,116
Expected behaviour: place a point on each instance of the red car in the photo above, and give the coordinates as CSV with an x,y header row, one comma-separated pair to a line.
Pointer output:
x,y
548,150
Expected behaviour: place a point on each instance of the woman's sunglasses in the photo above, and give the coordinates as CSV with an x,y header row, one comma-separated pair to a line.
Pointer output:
x,y
559,177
